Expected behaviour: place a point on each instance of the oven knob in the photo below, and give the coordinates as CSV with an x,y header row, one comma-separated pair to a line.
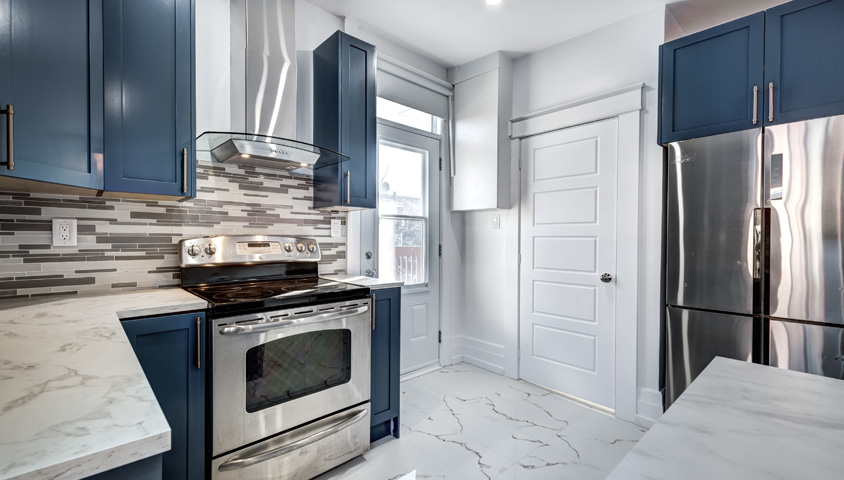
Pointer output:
x,y
193,250
312,248
300,247
210,249
288,247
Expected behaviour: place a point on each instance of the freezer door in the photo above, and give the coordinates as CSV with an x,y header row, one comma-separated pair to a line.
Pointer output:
x,y
713,189
803,347
694,338
804,172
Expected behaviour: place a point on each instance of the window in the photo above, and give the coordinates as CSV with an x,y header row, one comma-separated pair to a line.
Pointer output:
x,y
398,113
402,212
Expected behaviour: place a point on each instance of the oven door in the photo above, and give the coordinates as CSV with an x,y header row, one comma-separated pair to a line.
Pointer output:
x,y
277,370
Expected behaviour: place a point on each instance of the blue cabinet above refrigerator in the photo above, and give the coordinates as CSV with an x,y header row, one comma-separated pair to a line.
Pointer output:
x,y
777,66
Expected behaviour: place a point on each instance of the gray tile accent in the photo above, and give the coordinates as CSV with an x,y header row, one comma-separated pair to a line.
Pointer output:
x,y
128,244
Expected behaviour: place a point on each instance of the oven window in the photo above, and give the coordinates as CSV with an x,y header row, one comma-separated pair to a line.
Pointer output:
x,y
296,366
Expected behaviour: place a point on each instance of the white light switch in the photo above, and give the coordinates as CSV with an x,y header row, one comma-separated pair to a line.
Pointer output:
x,y
336,229
496,221
64,232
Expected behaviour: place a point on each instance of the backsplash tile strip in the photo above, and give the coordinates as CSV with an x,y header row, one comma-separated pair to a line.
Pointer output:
x,y
130,244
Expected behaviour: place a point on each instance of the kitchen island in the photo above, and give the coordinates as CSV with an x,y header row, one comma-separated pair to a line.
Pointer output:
x,y
74,401
740,420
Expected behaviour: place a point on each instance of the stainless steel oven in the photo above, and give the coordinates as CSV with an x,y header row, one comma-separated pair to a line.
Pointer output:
x,y
290,357
275,371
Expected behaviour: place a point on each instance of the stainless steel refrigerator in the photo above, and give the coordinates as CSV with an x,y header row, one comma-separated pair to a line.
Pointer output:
x,y
754,238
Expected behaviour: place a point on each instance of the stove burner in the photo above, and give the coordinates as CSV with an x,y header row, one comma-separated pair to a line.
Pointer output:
x,y
249,294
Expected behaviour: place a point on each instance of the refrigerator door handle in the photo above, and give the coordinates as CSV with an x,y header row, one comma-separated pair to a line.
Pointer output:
x,y
757,243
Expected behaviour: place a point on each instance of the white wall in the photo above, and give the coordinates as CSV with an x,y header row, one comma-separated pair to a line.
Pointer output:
x,y
213,66
607,59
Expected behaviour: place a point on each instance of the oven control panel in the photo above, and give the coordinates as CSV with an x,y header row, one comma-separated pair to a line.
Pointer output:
x,y
243,249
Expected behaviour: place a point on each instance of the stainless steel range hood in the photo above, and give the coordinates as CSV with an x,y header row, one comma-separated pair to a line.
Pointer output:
x,y
266,151
263,91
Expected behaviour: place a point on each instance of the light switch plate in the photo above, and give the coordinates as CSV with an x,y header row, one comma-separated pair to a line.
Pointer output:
x,y
64,232
336,228
496,221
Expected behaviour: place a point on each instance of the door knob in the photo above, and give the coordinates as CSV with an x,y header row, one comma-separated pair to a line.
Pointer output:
x,y
606,278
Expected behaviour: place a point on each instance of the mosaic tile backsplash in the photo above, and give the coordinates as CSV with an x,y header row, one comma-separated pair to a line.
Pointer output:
x,y
131,244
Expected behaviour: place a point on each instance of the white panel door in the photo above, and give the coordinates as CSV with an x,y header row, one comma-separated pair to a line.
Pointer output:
x,y
568,232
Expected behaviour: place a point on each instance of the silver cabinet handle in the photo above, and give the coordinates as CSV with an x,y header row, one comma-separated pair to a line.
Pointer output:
x,y
771,102
198,343
606,278
261,323
755,104
348,187
184,170
372,311
10,137
238,463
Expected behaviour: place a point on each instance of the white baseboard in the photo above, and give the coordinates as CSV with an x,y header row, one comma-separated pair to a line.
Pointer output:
x,y
648,407
480,353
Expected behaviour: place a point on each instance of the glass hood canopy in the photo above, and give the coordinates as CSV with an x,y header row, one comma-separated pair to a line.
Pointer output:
x,y
265,151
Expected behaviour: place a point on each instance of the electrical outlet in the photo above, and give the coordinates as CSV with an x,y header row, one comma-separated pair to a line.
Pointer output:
x,y
336,228
64,232
496,221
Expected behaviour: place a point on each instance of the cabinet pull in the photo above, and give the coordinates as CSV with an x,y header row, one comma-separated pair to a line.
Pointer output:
x,y
198,343
184,170
771,102
348,187
372,311
10,137
755,104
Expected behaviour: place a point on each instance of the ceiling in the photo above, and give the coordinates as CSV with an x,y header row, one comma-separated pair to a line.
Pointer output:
x,y
454,32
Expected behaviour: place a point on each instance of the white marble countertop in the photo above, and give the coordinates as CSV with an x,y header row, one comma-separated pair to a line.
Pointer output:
x,y
372,283
739,420
73,398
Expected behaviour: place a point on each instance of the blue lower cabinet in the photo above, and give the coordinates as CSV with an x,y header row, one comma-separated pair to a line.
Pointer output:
x,y
385,363
804,66
172,352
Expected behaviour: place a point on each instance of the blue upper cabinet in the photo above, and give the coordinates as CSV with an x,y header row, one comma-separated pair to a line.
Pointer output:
x,y
149,119
344,120
804,60
172,351
712,80
51,74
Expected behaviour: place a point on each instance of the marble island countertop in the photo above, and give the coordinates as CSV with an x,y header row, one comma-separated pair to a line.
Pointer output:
x,y
372,283
739,420
73,398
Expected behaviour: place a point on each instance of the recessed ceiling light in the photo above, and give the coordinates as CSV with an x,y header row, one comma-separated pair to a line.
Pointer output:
x,y
303,164
244,155
493,2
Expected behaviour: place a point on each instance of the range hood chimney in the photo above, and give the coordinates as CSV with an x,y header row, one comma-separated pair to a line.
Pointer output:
x,y
263,91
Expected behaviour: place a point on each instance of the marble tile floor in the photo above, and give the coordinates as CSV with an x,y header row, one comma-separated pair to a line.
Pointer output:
x,y
464,423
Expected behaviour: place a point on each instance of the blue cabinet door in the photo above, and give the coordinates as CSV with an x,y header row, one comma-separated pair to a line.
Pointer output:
x,y
708,80
385,363
804,60
172,352
51,73
148,65
344,120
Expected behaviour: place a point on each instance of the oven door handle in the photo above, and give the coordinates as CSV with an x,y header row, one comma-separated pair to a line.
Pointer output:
x,y
237,463
262,325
